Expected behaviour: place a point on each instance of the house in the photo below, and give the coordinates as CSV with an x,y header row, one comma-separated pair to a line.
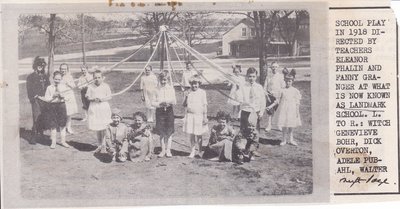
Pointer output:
x,y
243,31
240,41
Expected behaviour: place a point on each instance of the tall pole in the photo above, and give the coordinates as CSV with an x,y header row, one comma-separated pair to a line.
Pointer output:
x,y
83,38
162,51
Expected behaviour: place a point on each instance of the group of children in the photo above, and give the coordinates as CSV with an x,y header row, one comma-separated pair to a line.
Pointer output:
x,y
135,142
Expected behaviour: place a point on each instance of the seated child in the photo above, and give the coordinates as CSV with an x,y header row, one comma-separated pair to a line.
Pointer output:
x,y
140,139
245,143
116,137
220,143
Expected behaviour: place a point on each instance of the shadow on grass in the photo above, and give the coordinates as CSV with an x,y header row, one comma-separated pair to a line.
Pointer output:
x,y
103,157
275,142
174,152
82,146
32,139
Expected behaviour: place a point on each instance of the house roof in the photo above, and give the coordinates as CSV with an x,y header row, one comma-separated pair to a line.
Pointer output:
x,y
246,21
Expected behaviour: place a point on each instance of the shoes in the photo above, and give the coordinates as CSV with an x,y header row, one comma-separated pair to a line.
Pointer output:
x,y
69,131
192,154
162,154
282,143
147,158
293,143
64,144
256,154
84,119
98,149
53,146
169,155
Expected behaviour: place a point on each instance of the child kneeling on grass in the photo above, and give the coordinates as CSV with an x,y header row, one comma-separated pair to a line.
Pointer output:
x,y
116,137
245,144
219,146
140,139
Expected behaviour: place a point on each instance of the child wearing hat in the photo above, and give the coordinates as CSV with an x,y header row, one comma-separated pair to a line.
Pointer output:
x,y
195,121
116,137
288,114
245,144
140,139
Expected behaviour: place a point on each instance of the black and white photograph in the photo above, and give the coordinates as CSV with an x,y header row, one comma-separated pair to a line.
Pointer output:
x,y
165,104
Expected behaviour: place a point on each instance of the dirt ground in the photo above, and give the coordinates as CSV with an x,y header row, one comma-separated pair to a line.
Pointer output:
x,y
77,173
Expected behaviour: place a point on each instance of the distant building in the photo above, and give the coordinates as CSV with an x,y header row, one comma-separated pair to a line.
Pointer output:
x,y
240,41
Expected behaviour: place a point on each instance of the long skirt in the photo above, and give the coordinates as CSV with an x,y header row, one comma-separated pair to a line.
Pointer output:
x,y
99,115
165,121
85,101
36,112
54,115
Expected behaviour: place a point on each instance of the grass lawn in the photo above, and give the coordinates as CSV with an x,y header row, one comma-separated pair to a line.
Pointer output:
x,y
77,173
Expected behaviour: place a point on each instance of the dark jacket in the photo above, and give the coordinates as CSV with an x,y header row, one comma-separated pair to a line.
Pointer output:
x,y
36,84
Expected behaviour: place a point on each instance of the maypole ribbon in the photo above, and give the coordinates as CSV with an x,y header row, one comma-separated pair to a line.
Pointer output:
x,y
137,78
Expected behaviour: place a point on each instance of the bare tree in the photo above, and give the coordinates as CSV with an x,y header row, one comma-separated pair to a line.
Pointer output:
x,y
196,27
289,25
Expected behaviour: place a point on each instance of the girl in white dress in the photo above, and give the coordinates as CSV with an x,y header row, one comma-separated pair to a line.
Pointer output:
x,y
195,121
148,85
99,112
70,102
287,114
235,94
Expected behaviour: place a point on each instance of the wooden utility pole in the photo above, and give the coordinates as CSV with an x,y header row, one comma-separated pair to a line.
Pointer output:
x,y
162,48
83,38
52,40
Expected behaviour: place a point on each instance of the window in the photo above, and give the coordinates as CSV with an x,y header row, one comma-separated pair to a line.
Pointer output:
x,y
244,32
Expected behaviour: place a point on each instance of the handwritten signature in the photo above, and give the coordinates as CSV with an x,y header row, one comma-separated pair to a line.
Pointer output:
x,y
371,180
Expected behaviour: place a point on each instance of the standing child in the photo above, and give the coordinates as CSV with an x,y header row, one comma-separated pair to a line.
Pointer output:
x,y
99,112
164,101
140,139
253,99
221,138
72,107
195,121
287,114
274,83
148,85
116,137
235,94
83,82
55,112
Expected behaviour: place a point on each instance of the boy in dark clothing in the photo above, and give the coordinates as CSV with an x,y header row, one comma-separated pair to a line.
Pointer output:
x,y
36,85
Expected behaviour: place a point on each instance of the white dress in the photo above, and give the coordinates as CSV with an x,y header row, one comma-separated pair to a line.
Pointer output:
x,y
287,114
193,121
99,113
149,86
70,101
235,94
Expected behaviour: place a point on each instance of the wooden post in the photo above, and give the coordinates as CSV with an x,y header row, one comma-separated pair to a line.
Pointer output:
x,y
162,48
83,38
52,39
